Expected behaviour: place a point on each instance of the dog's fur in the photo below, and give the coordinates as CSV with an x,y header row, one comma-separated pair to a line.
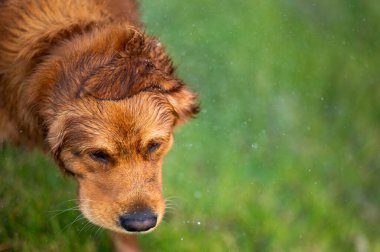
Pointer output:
x,y
79,79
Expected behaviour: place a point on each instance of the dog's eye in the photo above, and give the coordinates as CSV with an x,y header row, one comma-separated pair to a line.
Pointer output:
x,y
152,147
100,156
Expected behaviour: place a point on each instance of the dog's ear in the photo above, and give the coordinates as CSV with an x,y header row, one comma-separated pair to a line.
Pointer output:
x,y
55,139
137,44
157,53
110,82
185,103
134,43
183,100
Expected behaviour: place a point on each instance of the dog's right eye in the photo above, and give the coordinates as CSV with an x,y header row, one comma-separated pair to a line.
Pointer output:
x,y
99,156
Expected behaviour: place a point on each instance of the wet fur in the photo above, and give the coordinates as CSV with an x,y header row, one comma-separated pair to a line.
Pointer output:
x,y
78,76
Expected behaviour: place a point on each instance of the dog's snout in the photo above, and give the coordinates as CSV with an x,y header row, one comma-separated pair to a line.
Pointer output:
x,y
138,221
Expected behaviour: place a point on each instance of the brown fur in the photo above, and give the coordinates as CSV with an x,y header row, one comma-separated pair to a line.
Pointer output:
x,y
78,77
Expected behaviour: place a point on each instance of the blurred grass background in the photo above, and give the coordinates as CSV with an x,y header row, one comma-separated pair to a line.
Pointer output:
x,y
285,155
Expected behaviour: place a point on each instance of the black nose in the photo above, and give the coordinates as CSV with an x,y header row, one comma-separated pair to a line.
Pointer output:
x,y
138,221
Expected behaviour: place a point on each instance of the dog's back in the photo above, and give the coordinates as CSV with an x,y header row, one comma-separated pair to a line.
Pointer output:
x,y
29,29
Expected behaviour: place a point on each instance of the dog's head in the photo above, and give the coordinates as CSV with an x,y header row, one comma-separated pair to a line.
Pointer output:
x,y
118,125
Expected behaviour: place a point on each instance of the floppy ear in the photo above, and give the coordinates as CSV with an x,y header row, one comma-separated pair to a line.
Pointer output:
x,y
134,42
116,78
157,53
55,138
185,103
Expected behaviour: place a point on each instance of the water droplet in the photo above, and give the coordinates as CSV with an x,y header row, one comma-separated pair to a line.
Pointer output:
x,y
197,194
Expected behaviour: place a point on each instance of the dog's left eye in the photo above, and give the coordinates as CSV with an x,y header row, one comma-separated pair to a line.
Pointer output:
x,y
100,156
152,147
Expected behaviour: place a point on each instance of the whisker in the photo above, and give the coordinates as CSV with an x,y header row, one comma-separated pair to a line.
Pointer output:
x,y
86,200
58,212
72,208
170,208
170,204
97,231
84,227
66,201
64,210
78,218
92,228
174,197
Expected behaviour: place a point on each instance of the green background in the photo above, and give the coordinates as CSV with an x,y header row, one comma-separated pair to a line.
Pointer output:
x,y
285,155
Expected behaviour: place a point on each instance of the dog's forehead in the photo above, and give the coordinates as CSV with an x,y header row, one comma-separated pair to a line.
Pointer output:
x,y
143,116
119,125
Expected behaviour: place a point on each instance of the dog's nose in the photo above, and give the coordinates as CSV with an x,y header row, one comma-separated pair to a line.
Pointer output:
x,y
138,221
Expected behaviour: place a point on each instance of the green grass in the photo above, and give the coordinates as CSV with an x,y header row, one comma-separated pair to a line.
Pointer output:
x,y
284,155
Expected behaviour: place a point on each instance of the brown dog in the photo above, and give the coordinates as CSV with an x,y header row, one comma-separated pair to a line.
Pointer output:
x,y
80,80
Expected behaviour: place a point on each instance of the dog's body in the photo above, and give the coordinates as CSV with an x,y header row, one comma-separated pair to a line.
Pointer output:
x,y
80,80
